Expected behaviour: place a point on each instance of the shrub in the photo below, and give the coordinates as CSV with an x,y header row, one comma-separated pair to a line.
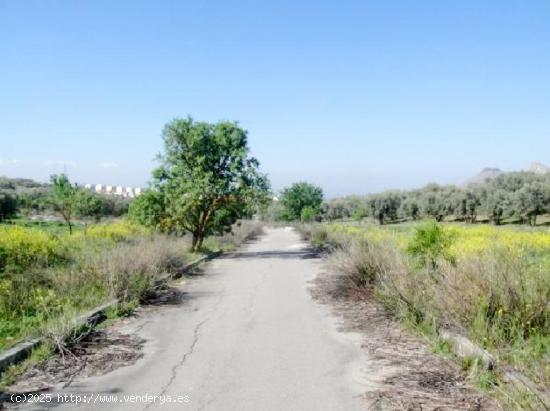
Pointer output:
x,y
430,243
128,270
241,231
308,214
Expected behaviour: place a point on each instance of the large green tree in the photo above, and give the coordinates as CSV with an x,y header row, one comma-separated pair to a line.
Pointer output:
x,y
207,180
299,197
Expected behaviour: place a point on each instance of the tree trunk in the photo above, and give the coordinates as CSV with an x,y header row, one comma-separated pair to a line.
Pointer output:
x,y
70,227
194,242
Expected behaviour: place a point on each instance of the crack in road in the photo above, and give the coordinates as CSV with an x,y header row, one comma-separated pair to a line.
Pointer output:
x,y
194,342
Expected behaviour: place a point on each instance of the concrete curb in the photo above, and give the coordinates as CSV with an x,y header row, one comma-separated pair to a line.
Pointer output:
x,y
17,353
464,348
186,268
22,350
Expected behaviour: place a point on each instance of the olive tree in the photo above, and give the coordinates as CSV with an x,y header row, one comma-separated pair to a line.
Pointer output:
x,y
207,178
532,200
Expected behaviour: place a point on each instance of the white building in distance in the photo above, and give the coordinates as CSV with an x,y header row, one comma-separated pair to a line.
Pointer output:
x,y
129,192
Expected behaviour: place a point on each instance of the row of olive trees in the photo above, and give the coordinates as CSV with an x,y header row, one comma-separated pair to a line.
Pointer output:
x,y
522,196
205,183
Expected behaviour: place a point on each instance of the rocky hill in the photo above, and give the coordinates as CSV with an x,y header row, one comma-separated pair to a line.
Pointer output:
x,y
485,174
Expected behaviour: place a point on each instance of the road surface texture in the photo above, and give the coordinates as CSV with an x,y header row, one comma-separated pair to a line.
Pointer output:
x,y
246,335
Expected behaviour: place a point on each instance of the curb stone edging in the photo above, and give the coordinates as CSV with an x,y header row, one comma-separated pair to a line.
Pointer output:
x,y
463,348
22,350
17,353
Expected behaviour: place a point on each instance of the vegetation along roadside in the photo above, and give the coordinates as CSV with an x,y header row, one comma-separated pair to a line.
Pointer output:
x,y
490,284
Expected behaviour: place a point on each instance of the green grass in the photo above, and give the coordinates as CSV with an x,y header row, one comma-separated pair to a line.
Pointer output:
x,y
45,275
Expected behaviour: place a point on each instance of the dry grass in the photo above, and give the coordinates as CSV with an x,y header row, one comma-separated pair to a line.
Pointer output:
x,y
35,295
241,232
130,269
46,278
500,299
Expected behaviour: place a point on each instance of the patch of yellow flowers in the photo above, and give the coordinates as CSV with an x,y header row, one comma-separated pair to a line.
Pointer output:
x,y
482,238
468,240
116,231
23,246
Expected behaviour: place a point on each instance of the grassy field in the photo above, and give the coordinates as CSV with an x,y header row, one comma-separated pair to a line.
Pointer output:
x,y
47,276
489,283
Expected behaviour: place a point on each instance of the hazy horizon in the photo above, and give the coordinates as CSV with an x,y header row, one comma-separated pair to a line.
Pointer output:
x,y
356,97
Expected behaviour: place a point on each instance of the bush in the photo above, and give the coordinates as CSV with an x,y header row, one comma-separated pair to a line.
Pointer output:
x,y
430,243
130,269
8,206
241,231
308,214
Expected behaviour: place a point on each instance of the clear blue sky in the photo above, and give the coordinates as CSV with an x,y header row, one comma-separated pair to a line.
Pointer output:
x,y
356,96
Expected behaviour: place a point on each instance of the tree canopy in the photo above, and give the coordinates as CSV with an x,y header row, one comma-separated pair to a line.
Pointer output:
x,y
206,180
301,201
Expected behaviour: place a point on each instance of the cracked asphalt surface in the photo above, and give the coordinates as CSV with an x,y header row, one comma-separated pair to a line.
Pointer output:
x,y
246,336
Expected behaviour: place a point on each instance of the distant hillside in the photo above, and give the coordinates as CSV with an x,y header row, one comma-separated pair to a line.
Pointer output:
x,y
485,174
539,168
18,184
491,172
